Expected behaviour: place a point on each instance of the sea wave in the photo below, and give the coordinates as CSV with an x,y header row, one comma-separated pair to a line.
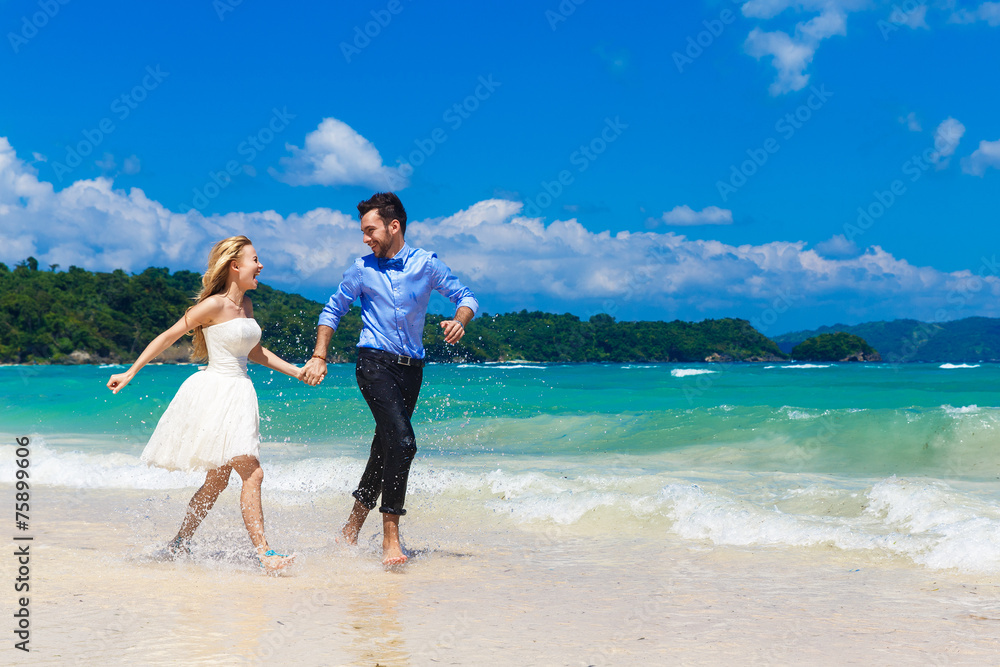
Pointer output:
x,y
950,366
803,366
492,366
931,522
963,410
684,372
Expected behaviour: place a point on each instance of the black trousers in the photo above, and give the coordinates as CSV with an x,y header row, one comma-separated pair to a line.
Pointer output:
x,y
391,390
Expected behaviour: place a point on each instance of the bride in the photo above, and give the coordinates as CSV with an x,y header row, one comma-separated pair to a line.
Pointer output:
x,y
212,422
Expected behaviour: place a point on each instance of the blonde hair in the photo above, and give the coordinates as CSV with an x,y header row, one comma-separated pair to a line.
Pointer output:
x,y
214,281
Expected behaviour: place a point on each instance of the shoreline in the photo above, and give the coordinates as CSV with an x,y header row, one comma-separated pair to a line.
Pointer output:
x,y
469,594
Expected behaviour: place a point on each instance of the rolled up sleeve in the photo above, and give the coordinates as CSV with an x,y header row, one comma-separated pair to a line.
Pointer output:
x,y
452,288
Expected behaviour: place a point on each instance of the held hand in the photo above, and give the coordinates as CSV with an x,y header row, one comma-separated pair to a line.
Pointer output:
x,y
314,371
453,331
118,382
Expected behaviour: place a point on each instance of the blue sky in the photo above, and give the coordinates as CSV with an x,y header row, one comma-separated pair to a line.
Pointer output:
x,y
702,160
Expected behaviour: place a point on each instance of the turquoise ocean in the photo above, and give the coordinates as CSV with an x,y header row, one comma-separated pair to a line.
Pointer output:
x,y
900,462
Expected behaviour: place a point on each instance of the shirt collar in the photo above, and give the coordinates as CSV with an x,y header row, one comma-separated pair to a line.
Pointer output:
x,y
397,261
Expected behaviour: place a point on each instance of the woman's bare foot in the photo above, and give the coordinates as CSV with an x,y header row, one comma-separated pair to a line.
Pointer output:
x,y
272,561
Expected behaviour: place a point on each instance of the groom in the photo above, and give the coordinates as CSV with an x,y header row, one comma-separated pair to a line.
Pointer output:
x,y
394,284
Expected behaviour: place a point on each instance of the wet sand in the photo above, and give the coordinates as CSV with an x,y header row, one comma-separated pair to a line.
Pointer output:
x,y
471,594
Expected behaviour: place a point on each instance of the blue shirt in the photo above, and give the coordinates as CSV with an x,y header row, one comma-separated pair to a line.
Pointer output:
x,y
394,295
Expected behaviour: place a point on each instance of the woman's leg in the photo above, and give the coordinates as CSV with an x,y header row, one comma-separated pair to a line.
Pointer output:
x,y
252,475
202,501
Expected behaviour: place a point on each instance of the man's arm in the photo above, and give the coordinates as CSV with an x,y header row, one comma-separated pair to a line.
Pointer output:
x,y
452,288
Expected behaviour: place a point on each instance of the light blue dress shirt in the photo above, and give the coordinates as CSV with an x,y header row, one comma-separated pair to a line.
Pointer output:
x,y
394,294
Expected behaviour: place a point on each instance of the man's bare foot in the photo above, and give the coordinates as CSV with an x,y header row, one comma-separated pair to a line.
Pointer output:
x,y
393,555
348,535
392,552
273,562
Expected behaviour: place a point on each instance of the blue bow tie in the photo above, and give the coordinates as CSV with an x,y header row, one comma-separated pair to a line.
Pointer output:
x,y
394,263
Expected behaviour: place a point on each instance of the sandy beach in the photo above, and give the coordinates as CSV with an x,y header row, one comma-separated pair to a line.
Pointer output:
x,y
558,596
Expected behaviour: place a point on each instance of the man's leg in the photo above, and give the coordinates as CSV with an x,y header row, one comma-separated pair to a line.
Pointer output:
x,y
397,469
390,391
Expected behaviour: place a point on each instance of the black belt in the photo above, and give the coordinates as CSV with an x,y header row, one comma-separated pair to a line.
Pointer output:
x,y
400,359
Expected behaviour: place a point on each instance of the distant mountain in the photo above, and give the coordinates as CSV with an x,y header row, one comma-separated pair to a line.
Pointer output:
x,y
900,341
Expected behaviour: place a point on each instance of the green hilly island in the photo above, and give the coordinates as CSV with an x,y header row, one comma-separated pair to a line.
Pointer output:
x,y
79,316
837,346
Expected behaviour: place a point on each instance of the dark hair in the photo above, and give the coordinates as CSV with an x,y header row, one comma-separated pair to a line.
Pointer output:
x,y
388,206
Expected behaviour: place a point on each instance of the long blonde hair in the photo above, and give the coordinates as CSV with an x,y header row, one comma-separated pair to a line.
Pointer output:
x,y
214,281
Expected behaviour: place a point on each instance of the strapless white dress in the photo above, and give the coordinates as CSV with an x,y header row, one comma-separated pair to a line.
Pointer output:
x,y
214,416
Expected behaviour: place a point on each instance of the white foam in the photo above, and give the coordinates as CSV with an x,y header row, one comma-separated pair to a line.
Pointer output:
x,y
805,366
927,521
684,372
796,414
959,366
964,410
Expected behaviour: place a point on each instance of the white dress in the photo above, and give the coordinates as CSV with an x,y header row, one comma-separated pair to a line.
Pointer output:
x,y
213,418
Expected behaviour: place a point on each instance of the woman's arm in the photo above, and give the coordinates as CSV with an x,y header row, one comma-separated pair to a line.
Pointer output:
x,y
202,314
263,356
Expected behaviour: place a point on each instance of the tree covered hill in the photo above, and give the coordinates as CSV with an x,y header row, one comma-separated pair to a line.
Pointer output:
x,y
79,316
837,346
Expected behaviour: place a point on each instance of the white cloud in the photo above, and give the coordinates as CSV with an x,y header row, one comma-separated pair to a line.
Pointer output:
x,y
684,215
335,154
107,164
946,138
791,55
507,258
131,165
838,247
988,12
913,18
984,157
912,122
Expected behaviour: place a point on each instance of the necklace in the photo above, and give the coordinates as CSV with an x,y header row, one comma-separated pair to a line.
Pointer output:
x,y
238,305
